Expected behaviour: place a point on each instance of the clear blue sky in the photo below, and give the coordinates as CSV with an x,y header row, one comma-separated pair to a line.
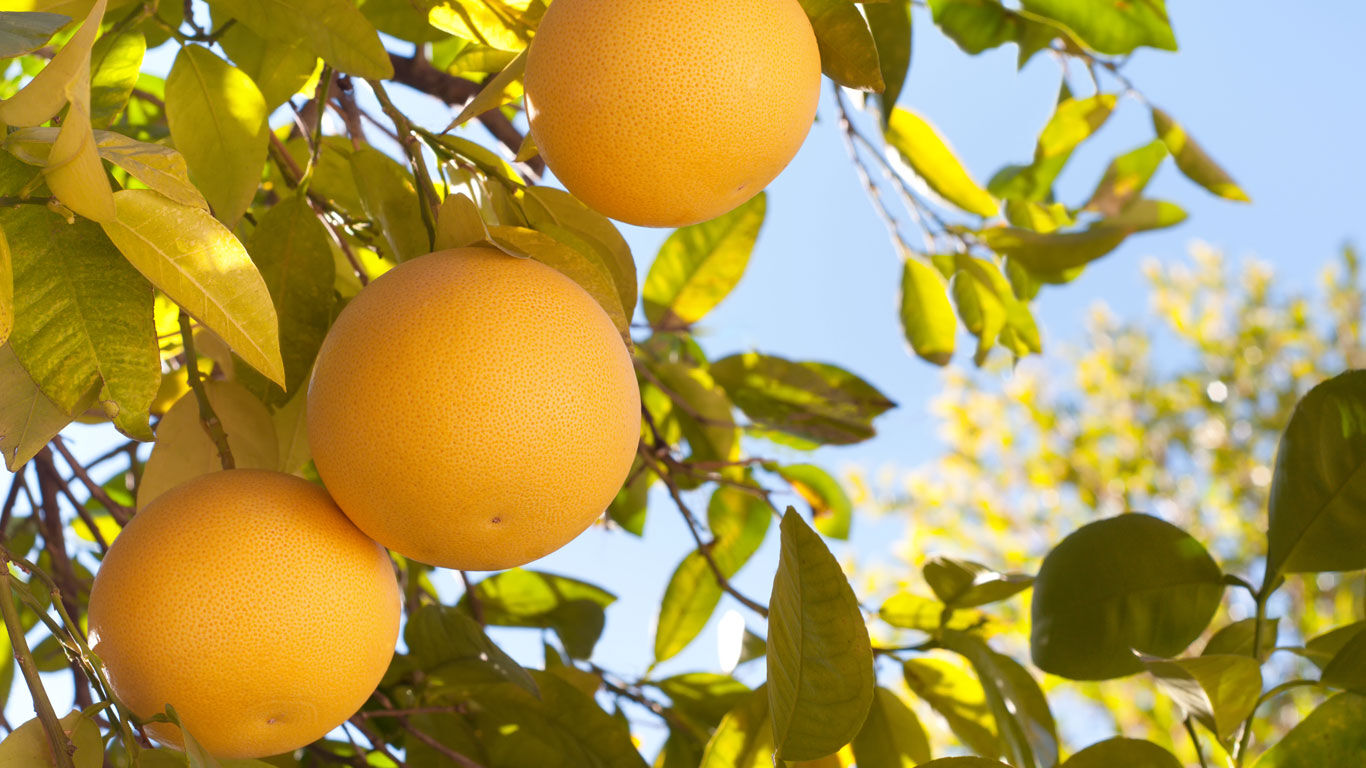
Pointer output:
x,y
1272,92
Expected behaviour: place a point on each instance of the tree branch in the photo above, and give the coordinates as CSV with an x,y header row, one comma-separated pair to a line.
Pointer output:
x,y
119,512
62,748
417,74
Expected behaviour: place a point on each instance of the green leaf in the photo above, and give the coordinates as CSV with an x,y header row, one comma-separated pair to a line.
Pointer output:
x,y
963,762
451,731
911,611
739,521
279,68
391,202
744,739
892,736
159,167
704,419
1318,491
439,634
986,302
1125,178
820,661
814,401
934,161
1108,27
891,26
218,122
83,318
629,508
28,745
975,25
1145,215
1348,666
1191,158
831,509
1073,122
564,728
1122,753
705,696
1218,690
1126,583
458,223
849,56
22,33
927,317
183,450
965,584
28,419
495,92
291,249
291,431
1023,720
563,217
699,265
958,697
114,62
586,268
63,78
1323,648
1333,734
347,40
1054,251
201,266
522,598
404,19
1237,638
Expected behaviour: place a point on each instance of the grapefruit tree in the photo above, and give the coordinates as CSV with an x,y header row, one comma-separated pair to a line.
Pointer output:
x,y
322,326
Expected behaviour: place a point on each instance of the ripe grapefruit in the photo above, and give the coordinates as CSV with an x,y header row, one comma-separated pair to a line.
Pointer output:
x,y
669,112
251,604
473,410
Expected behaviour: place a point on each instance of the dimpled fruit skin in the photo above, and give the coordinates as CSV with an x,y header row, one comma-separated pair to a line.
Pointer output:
x,y
473,410
250,603
669,112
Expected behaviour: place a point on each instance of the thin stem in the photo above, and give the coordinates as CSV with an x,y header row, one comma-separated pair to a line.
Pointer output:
x,y
1240,753
476,606
315,139
413,148
207,418
456,757
119,512
1195,741
62,748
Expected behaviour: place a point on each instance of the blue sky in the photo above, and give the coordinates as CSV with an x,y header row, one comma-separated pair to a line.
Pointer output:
x,y
1272,92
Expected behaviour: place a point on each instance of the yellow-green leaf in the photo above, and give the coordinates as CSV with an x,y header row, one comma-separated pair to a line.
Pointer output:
x,y
927,317
114,62
335,30
45,94
1219,690
1073,122
820,661
1123,753
291,429
6,289
495,92
1125,178
458,223
28,419
1110,27
500,25
699,265
279,68
217,119
932,159
562,216
1333,734
83,318
744,738
26,32
890,23
892,736
196,261
958,697
590,273
1193,161
159,167
183,450
28,745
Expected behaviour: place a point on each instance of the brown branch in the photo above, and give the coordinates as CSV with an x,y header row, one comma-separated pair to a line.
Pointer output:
x,y
350,113
119,512
413,149
417,74
54,540
457,758
62,748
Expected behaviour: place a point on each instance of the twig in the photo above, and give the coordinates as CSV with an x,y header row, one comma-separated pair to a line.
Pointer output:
x,y
634,693
1195,741
68,585
695,528
1240,753
459,759
118,511
416,73
62,748
207,418
413,149
315,138
350,112
476,607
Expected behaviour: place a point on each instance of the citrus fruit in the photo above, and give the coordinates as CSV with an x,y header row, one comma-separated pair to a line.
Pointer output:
x,y
250,603
473,410
669,112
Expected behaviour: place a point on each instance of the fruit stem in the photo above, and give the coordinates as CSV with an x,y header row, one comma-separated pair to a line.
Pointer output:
x,y
413,149
207,418
62,748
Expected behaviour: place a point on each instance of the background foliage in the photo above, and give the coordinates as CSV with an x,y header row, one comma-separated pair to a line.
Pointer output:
x,y
213,250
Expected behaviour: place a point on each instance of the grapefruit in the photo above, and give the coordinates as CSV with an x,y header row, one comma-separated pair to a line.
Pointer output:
x,y
669,112
251,604
473,410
